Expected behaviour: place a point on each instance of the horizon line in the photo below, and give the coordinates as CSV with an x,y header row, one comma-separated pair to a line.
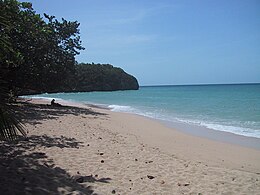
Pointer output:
x,y
198,84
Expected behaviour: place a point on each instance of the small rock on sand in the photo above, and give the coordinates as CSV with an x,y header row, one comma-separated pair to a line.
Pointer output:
x,y
150,177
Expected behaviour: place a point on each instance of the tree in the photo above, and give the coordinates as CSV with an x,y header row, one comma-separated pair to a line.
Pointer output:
x,y
47,49
35,54
9,124
103,77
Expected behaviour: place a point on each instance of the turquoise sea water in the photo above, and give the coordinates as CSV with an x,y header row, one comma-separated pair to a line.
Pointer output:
x,y
231,108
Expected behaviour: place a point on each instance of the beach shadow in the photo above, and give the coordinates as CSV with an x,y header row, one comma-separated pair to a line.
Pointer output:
x,y
26,171
91,179
34,113
47,141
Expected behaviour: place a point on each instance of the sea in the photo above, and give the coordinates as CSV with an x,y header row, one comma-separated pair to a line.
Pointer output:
x,y
233,108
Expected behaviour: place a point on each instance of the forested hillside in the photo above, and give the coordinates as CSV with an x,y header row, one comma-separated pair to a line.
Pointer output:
x,y
37,55
103,77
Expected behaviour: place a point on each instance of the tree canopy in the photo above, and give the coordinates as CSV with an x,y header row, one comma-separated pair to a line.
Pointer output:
x,y
103,77
43,49
37,55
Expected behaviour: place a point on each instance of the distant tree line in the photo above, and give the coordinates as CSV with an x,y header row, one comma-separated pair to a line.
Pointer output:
x,y
37,55
102,77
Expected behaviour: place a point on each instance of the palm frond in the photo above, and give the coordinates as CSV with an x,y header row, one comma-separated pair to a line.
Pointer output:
x,y
10,126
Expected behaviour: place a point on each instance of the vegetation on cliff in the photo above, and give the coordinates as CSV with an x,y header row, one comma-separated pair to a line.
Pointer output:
x,y
37,55
103,77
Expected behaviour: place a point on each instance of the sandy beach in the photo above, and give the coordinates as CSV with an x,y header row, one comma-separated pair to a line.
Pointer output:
x,y
88,150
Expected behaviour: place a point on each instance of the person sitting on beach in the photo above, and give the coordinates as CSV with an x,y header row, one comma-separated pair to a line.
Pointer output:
x,y
54,104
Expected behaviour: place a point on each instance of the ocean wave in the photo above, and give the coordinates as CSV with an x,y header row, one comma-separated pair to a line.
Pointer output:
x,y
119,108
233,129
159,114
209,125
224,127
42,97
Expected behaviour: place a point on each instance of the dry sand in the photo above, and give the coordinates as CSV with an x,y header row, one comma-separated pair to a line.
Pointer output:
x,y
93,151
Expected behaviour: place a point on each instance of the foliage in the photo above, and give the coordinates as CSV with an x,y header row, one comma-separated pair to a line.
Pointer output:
x,y
103,77
46,47
36,54
9,124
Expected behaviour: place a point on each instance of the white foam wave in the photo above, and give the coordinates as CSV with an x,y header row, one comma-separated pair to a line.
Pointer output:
x,y
226,128
210,125
232,129
42,97
167,117
119,108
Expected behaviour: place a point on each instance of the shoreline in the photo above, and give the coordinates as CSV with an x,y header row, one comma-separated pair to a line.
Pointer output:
x,y
204,132
215,135
190,129
73,150
187,146
225,151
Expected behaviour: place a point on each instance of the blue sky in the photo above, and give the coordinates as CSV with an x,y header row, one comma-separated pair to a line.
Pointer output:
x,y
168,41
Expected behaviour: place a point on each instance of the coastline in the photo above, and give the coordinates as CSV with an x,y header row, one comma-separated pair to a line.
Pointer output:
x,y
130,154
188,146
232,151
215,135
189,130
200,118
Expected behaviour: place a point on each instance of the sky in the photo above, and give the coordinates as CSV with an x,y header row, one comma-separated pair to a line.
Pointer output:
x,y
168,42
